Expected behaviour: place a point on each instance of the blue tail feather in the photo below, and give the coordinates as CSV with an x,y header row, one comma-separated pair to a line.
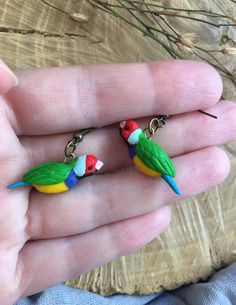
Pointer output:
x,y
171,183
18,184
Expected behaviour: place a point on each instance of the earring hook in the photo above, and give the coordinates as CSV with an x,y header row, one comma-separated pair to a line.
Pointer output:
x,y
155,124
72,144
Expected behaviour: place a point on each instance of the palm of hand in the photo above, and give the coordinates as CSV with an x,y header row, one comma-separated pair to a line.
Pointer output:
x,y
48,239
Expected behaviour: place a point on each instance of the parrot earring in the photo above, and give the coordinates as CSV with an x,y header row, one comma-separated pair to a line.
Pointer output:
x,y
57,177
148,156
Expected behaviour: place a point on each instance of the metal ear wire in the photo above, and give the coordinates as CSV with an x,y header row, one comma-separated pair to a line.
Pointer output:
x,y
160,121
155,124
72,144
208,114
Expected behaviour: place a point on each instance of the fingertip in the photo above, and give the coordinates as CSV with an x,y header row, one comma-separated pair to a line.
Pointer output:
x,y
189,85
7,78
211,167
203,82
221,159
142,229
163,217
157,221
211,84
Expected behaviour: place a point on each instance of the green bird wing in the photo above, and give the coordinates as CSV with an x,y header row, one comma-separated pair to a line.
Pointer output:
x,y
153,156
48,173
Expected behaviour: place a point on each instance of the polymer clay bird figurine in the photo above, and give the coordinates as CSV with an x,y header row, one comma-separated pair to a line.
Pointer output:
x,y
57,177
147,155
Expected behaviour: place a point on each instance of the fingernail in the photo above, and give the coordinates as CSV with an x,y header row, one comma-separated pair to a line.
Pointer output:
x,y
5,67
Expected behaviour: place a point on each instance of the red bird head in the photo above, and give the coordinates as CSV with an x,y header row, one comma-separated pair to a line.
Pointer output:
x,y
92,164
130,131
87,165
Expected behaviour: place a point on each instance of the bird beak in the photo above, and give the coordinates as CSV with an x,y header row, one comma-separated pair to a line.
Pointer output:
x,y
122,124
99,165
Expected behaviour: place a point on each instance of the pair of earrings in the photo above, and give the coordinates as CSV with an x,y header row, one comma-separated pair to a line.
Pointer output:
x,y
148,157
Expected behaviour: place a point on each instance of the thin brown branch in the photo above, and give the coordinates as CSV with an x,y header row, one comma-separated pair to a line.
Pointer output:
x,y
159,13
189,11
143,29
159,25
222,70
155,18
216,60
150,29
169,26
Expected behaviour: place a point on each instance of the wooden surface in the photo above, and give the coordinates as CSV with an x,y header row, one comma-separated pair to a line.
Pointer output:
x,y
202,235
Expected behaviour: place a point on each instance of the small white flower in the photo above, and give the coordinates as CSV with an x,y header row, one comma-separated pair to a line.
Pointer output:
x,y
229,51
189,39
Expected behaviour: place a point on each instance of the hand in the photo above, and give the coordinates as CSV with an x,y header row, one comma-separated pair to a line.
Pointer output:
x,y
47,239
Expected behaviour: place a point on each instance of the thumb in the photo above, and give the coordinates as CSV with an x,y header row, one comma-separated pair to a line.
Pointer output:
x,y
7,78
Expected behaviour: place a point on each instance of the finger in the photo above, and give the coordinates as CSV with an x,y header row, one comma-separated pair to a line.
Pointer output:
x,y
65,258
109,198
7,78
53,100
8,140
13,205
182,134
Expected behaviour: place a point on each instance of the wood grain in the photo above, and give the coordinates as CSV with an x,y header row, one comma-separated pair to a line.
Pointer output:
x,y
202,236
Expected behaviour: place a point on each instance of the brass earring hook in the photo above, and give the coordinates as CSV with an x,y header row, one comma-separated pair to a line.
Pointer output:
x,y
208,114
72,144
155,124
160,121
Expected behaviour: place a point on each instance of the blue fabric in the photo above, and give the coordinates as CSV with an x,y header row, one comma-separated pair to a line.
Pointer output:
x,y
219,290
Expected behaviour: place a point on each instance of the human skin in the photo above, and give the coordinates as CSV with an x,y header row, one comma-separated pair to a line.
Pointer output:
x,y
47,239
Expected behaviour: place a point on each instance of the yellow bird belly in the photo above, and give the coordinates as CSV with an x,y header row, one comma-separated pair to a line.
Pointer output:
x,y
144,169
54,188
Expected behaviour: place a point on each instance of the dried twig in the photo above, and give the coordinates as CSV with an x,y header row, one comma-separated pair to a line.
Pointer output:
x,y
136,14
150,18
